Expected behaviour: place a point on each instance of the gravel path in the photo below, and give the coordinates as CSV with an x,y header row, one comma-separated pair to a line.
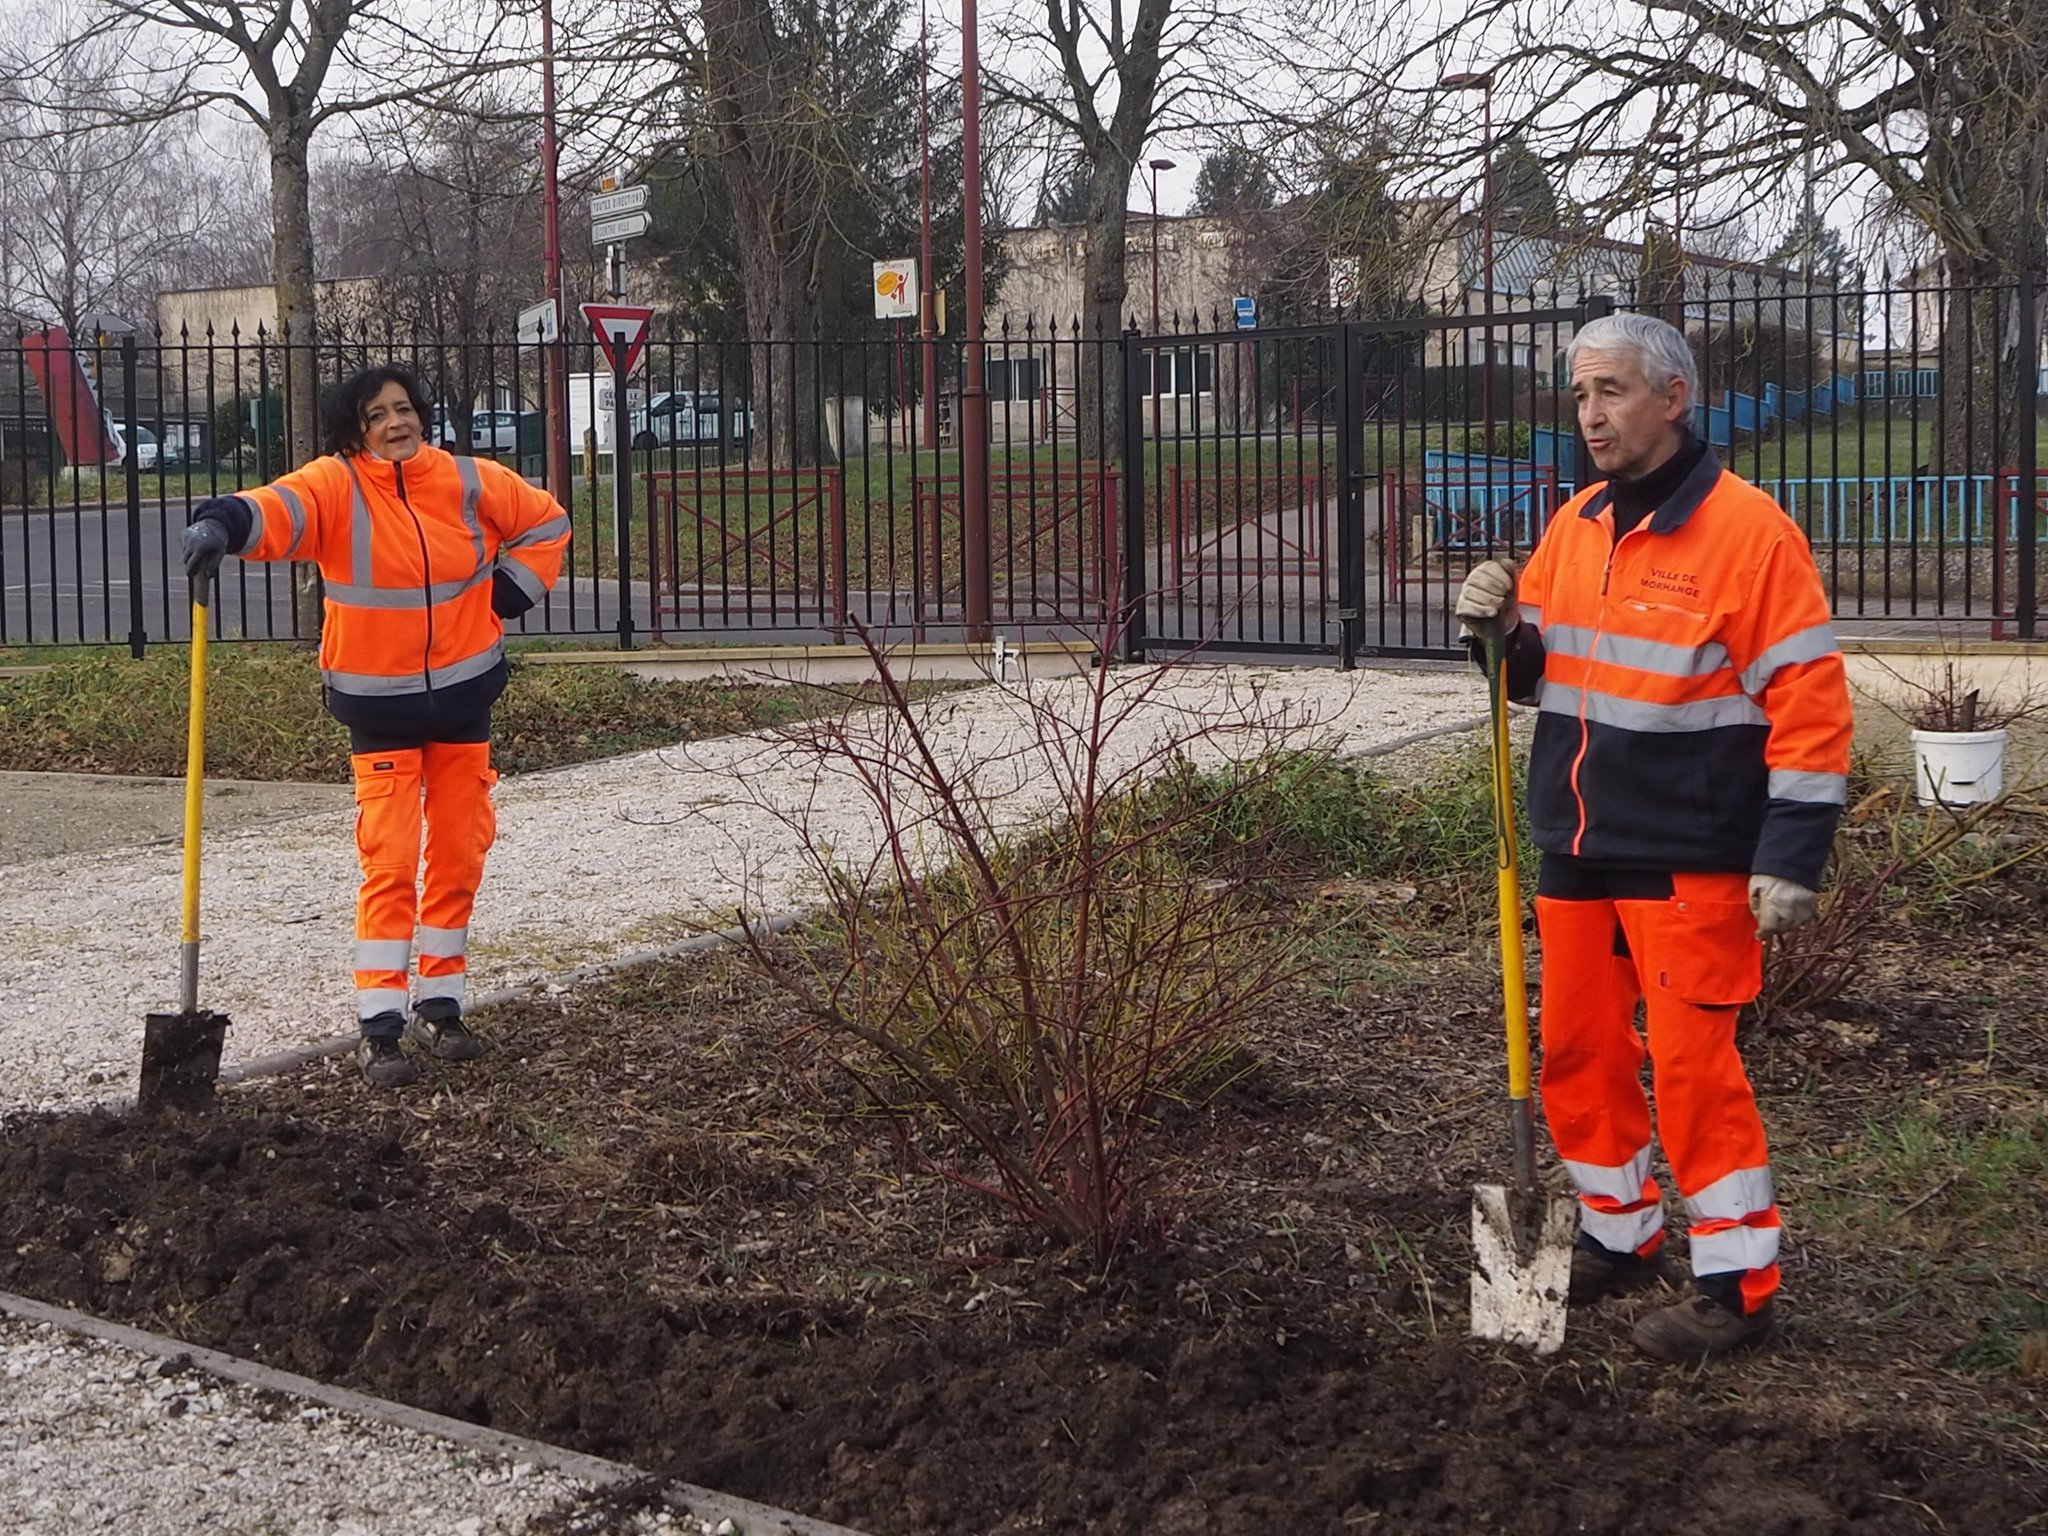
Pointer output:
x,y
592,863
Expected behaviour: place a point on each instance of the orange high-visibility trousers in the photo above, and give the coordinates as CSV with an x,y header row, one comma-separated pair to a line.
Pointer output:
x,y
1692,958
445,787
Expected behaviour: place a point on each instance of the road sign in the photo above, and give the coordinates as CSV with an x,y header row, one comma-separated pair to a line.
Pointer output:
x,y
539,322
1247,313
896,289
621,330
625,227
1343,282
607,399
609,205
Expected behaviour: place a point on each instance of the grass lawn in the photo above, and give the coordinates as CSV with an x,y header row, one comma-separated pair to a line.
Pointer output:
x,y
100,712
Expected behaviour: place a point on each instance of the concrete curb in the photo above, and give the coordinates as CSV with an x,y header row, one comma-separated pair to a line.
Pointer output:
x,y
752,1519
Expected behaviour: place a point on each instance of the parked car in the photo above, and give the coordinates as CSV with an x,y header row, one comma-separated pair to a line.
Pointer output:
x,y
687,417
147,455
489,432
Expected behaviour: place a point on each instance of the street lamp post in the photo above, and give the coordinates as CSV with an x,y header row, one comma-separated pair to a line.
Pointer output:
x,y
1674,138
977,599
1156,166
556,412
1481,80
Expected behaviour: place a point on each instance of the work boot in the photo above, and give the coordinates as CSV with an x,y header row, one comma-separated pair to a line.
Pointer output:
x,y
1698,1327
437,1029
383,1063
1598,1272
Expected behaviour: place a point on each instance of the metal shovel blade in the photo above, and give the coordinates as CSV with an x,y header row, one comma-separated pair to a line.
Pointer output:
x,y
181,1059
1522,1246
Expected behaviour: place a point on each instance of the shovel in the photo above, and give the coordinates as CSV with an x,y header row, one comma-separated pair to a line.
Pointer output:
x,y
1522,1241
181,1051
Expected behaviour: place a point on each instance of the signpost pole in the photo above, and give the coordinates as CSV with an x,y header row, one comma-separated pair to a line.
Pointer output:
x,y
622,493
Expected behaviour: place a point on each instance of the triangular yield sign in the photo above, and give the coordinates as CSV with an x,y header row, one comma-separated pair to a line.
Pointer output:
x,y
621,331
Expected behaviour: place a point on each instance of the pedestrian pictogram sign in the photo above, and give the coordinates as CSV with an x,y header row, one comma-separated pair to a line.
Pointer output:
x,y
621,331
896,289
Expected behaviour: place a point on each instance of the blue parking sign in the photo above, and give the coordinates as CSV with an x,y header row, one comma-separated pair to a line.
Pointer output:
x,y
1247,314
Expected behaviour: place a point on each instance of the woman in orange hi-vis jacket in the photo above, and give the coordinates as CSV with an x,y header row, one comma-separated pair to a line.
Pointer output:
x,y
424,555
1690,764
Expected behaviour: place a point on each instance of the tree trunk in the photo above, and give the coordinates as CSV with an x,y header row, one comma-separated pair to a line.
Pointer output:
x,y
1105,286
781,314
1987,367
297,320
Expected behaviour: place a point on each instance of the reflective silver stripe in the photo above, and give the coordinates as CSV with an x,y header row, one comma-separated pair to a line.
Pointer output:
x,y
1737,1248
522,578
1806,645
1745,1192
1630,651
383,954
1653,719
358,529
255,524
1623,1183
1813,788
472,492
296,510
451,986
371,1001
540,533
444,943
371,685
1531,614
352,596
1624,1233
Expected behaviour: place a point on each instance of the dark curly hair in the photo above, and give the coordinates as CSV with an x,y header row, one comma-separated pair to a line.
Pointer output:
x,y
342,412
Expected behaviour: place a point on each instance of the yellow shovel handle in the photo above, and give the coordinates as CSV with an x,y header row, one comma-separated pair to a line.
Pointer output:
x,y
195,784
1514,987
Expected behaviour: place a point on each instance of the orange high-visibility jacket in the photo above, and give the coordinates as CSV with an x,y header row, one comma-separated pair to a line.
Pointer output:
x,y
411,553
1694,707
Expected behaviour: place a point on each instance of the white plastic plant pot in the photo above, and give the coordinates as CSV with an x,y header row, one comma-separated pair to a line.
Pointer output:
x,y
1959,767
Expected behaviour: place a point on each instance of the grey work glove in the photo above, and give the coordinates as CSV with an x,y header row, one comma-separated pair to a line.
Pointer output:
x,y
204,545
1489,593
1780,905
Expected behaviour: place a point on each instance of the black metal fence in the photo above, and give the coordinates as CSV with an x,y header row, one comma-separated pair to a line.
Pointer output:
x,y
1318,488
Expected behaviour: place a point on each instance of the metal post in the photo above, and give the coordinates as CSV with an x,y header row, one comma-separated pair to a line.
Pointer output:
x,y
1155,250
927,318
555,379
973,428
132,464
1132,597
1486,228
2027,611
622,497
1350,495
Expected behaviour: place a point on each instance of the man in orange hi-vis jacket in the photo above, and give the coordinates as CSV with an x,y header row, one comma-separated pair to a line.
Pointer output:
x,y
425,555
1689,767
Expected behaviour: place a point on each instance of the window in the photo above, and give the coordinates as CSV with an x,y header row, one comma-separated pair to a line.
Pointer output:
x,y
1015,378
1183,371
1872,384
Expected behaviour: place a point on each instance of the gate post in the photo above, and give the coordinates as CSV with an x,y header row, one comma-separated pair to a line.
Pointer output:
x,y
1132,595
1350,494
2027,505
1596,307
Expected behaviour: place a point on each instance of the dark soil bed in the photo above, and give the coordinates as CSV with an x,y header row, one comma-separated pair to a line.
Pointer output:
x,y
656,1224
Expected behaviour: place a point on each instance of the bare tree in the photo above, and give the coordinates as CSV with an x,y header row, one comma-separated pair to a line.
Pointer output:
x,y
439,207
97,219
1940,105
288,67
1107,78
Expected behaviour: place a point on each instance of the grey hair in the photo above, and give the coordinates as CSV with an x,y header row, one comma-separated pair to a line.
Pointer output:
x,y
1656,345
